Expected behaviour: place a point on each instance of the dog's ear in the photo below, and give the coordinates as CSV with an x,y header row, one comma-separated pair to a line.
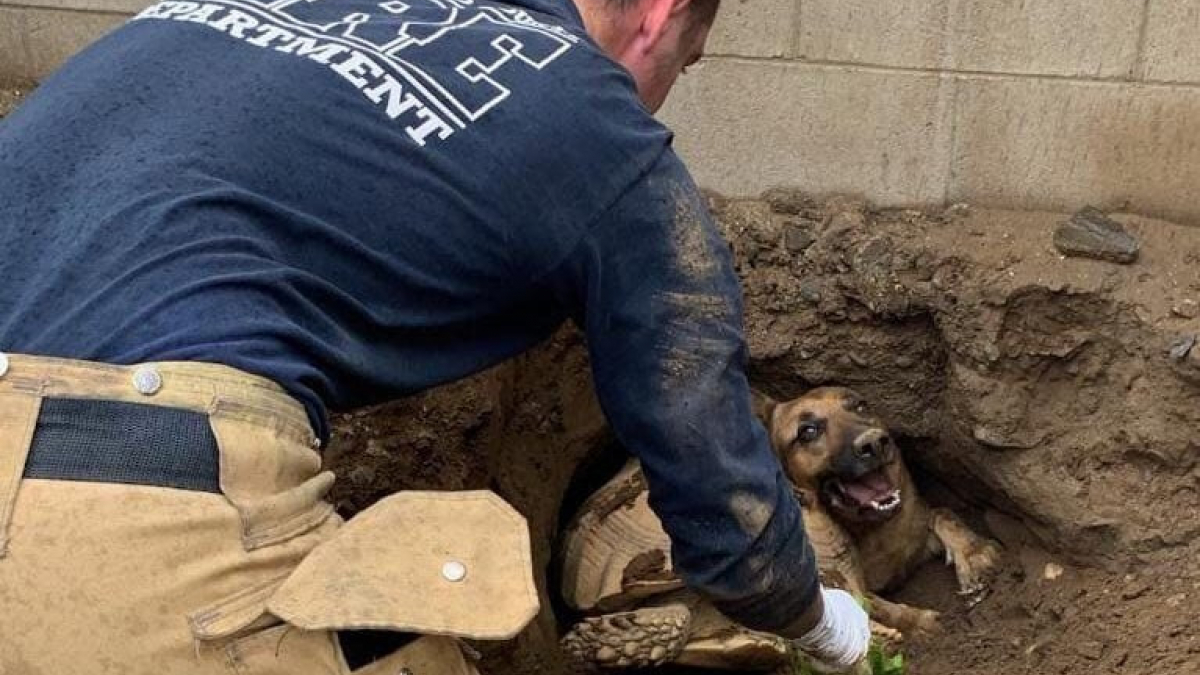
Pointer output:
x,y
763,407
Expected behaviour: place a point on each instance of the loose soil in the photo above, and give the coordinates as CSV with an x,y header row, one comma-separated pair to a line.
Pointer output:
x,y
1032,392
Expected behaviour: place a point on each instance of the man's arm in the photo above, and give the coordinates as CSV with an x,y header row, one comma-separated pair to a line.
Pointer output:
x,y
653,285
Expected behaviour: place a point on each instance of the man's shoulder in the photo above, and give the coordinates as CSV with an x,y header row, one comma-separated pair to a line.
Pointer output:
x,y
438,67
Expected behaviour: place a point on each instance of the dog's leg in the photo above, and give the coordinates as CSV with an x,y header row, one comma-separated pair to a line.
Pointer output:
x,y
974,557
904,618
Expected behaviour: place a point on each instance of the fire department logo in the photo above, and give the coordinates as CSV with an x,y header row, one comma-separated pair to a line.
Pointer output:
x,y
438,65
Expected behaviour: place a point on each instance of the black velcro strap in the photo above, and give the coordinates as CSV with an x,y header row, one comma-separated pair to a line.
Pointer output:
x,y
117,442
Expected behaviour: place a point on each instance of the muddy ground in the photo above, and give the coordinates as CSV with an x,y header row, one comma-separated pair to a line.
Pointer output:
x,y
1034,393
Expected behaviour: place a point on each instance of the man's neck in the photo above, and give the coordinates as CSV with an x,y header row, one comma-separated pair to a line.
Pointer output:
x,y
603,23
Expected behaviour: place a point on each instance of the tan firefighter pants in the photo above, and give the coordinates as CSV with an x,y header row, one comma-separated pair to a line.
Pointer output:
x,y
125,579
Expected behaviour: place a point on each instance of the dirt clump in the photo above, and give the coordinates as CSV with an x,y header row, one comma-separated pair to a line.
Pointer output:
x,y
9,97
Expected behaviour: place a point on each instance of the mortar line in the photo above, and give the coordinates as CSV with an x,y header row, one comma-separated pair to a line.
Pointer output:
x,y
947,59
1139,60
797,26
952,142
983,74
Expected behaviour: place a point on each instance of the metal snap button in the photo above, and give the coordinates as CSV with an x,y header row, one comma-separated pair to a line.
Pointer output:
x,y
3,364
147,380
454,571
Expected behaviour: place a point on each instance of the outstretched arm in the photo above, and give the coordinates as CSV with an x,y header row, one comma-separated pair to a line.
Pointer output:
x,y
653,285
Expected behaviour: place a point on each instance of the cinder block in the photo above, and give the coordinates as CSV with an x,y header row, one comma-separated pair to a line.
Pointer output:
x,y
1059,144
1051,37
909,33
1171,51
107,6
745,127
755,28
14,56
54,35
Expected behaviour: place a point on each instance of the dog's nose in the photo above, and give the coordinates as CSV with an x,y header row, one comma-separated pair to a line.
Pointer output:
x,y
872,444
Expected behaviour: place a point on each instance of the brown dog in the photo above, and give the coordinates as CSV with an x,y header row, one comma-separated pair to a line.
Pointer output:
x,y
867,523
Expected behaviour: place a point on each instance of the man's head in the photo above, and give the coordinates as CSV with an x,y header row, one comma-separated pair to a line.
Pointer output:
x,y
655,40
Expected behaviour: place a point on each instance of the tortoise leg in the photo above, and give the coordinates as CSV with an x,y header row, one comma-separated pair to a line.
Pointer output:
x,y
742,650
640,638
717,642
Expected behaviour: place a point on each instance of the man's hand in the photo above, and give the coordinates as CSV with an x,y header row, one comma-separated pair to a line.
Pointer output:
x,y
841,637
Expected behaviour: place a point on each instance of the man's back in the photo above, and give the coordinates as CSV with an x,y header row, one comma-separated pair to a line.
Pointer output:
x,y
354,199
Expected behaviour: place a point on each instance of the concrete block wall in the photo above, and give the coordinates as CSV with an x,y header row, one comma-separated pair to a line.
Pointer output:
x,y
1030,103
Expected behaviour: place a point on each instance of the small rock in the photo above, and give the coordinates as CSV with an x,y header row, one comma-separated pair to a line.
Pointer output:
x,y
1052,571
811,292
657,654
1091,234
905,362
630,649
797,239
606,654
875,256
1188,309
1182,346
959,210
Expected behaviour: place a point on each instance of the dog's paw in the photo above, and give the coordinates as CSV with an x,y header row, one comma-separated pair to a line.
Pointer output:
x,y
889,639
975,567
926,622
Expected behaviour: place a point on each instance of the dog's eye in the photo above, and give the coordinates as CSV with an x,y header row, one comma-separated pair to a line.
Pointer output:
x,y
860,407
808,432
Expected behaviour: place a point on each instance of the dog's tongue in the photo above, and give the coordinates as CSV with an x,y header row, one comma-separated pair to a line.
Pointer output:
x,y
871,487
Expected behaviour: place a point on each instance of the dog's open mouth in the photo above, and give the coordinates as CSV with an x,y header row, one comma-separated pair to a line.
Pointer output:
x,y
871,495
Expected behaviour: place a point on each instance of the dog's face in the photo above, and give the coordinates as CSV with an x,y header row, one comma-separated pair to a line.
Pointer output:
x,y
836,451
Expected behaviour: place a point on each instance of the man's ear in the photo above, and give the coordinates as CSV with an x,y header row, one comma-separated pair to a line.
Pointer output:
x,y
655,20
763,407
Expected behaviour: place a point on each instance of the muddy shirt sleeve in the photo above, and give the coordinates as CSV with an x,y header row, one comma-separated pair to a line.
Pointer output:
x,y
652,283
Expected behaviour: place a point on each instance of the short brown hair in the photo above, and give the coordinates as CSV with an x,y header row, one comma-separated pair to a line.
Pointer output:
x,y
704,11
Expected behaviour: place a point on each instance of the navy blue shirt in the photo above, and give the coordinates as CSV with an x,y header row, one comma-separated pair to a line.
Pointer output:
x,y
361,200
